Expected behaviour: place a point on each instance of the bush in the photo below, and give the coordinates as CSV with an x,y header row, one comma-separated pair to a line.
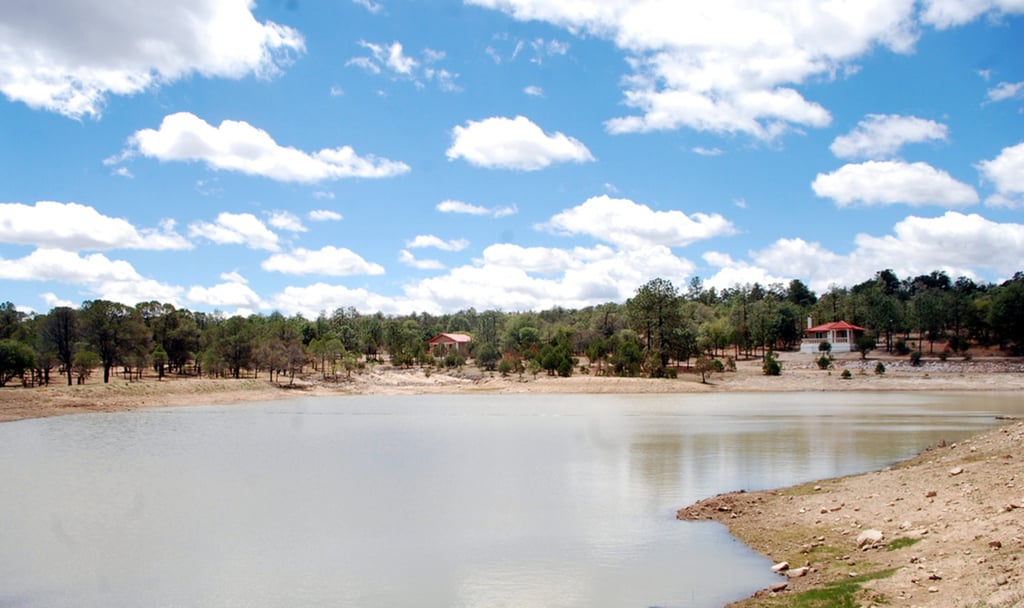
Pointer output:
x,y
505,367
846,375
824,362
915,358
825,347
771,366
879,368
730,364
901,347
453,359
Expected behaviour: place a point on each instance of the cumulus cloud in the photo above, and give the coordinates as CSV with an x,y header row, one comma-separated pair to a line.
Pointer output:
x,y
882,135
76,227
893,182
53,59
310,300
328,261
513,143
324,215
429,240
1006,90
407,258
708,151
237,229
239,146
949,13
233,293
533,90
506,278
960,244
631,225
1006,172
102,277
727,67
286,220
451,206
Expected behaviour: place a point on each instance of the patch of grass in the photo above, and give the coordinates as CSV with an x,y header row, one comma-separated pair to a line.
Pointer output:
x,y
901,543
838,594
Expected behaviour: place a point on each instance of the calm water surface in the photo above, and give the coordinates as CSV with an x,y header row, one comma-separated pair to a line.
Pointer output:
x,y
428,501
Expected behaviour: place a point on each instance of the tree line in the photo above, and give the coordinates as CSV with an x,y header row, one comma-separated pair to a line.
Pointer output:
x,y
661,327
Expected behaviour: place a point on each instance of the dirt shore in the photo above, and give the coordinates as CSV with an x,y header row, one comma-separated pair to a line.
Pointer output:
x,y
944,529
950,520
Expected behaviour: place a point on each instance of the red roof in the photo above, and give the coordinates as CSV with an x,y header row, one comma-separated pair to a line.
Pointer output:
x,y
833,326
450,338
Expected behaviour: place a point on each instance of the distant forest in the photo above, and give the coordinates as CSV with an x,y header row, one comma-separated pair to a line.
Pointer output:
x,y
660,328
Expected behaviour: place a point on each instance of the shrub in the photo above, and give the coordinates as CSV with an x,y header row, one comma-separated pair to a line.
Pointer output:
x,y
825,347
846,375
915,358
771,366
901,347
505,367
730,364
879,368
824,362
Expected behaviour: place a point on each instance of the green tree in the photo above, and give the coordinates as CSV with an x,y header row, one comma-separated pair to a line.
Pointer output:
x,y
654,313
83,362
59,333
15,358
110,328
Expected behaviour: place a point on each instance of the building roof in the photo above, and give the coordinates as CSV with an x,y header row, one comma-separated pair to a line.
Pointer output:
x,y
451,338
833,326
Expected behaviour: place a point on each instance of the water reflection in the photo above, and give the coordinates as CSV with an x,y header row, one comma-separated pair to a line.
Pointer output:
x,y
426,501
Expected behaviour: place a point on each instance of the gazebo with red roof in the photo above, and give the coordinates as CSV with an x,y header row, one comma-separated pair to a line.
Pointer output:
x,y
840,334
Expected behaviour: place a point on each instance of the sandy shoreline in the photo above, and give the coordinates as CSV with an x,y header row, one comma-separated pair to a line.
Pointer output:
x,y
799,374
962,502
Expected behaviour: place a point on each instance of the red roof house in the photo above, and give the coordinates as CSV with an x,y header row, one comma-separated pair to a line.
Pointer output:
x,y
442,344
840,334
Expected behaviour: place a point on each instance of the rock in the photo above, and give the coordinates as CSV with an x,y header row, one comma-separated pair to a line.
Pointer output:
x,y
931,494
779,567
933,589
956,471
777,587
1002,580
906,525
869,537
798,572
995,544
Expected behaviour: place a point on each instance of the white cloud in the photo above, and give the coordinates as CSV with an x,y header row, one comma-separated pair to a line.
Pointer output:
x,y
231,293
115,280
286,220
732,272
1006,172
1006,90
373,7
324,215
882,135
893,182
533,90
513,143
631,226
67,56
239,146
309,301
957,243
336,91
451,206
708,151
74,227
237,229
323,195
407,258
329,261
53,301
429,240
393,60
727,67
574,278
948,13
122,172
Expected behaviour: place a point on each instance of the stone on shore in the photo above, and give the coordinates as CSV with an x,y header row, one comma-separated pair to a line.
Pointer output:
x,y
869,538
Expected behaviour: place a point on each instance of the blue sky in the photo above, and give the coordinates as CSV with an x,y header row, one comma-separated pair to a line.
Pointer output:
x,y
408,156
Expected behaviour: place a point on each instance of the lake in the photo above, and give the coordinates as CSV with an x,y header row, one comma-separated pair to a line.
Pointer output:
x,y
523,501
